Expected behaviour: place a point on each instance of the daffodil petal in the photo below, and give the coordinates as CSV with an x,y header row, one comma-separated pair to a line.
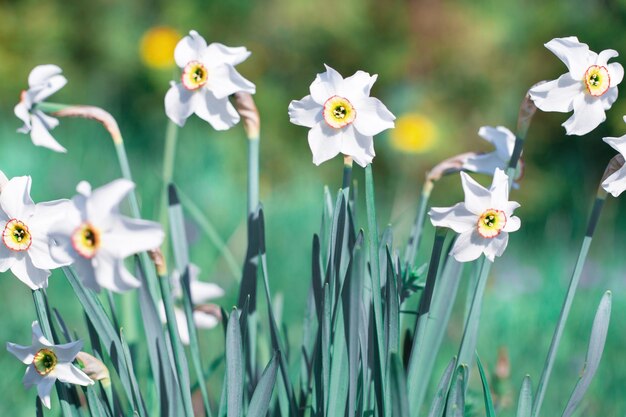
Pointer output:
x,y
15,198
128,236
6,256
220,113
372,117
604,56
588,114
359,146
38,339
103,202
325,142
67,352
615,184
609,98
204,321
484,164
305,112
44,387
31,377
468,246
574,54
50,86
224,80
179,104
23,113
356,86
557,95
496,246
218,53
66,372
23,353
203,291
189,48
477,197
87,273
325,85
499,189
29,274
457,218
42,73
513,223
111,273
41,136
619,144
41,257
500,137
616,72
181,323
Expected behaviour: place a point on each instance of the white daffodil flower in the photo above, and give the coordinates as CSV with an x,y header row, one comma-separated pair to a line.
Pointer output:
x,y
483,221
342,116
26,247
589,88
43,81
504,141
615,184
98,238
201,292
48,362
209,77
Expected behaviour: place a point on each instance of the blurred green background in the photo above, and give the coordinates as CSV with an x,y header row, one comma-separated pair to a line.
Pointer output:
x,y
445,69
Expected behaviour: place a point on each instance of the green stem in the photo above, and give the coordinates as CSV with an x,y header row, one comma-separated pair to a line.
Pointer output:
x,y
253,174
347,172
169,158
418,226
567,304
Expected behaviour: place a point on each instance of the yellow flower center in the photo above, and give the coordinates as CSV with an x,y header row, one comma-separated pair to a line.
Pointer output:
x,y
195,75
597,80
44,361
16,236
86,240
338,112
491,223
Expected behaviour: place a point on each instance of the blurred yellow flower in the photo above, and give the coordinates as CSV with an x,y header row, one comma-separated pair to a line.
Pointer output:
x,y
414,133
157,47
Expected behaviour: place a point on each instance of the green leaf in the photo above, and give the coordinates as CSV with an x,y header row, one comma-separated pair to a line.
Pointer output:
x,y
262,396
597,339
525,402
338,387
399,400
455,405
486,391
234,366
436,408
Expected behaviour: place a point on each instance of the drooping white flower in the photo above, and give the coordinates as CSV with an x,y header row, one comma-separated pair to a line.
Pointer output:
x,y
209,77
201,292
26,247
342,116
483,221
48,362
616,182
43,81
504,141
589,88
98,238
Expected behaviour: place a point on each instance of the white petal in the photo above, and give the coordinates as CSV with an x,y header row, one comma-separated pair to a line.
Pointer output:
x,y
325,142
67,352
112,274
457,217
15,198
204,320
609,98
619,144
203,291
43,91
6,255
513,224
325,85
485,163
468,246
305,112
130,236
616,182
26,354
42,73
496,246
588,114
216,53
360,147
23,113
604,56
574,54
181,323
31,377
372,117
179,103
189,48
103,204
66,372
38,339
86,272
40,135
499,189
30,275
41,256
357,86
616,72
44,387
220,113
224,80
48,214
477,197
557,95
500,137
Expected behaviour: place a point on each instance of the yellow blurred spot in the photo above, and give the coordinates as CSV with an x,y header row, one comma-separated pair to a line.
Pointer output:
x,y
414,133
157,47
